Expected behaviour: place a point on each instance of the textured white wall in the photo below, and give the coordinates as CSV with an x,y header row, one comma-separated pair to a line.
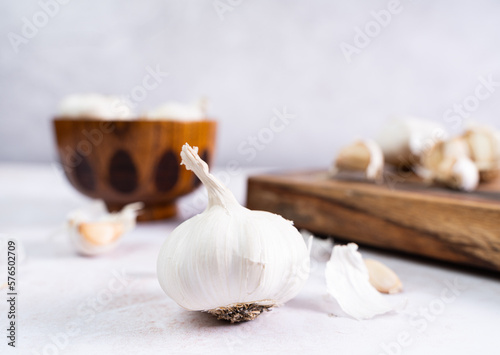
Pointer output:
x,y
264,55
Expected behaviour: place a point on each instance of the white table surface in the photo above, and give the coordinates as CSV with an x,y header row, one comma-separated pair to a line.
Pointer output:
x,y
113,304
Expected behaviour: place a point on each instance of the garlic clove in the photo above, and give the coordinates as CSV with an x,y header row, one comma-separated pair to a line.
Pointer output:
x,y
457,173
100,233
347,280
484,150
94,231
363,155
465,175
382,277
403,140
435,155
448,162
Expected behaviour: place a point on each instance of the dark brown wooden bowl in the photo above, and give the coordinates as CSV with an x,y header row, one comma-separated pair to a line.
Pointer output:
x,y
127,161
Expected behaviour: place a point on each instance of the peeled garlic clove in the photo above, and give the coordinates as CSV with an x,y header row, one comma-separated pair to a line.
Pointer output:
x,y
94,231
382,278
403,140
484,147
230,261
347,280
363,155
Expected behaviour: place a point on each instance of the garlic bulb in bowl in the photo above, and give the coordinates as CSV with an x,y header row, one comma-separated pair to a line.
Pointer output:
x,y
230,261
179,112
95,106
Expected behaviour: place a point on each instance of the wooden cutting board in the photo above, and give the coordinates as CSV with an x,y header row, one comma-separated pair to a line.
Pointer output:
x,y
403,214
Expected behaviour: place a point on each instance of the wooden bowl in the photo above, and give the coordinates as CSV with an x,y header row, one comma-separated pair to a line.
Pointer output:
x,y
127,161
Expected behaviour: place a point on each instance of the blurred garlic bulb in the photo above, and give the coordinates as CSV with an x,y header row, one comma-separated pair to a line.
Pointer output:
x,y
448,162
403,140
230,261
94,231
96,106
178,111
364,155
484,150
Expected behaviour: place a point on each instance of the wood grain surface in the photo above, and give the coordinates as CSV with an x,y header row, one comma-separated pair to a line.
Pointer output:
x,y
402,214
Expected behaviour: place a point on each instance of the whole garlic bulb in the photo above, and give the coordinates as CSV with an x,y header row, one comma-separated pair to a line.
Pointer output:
x,y
230,261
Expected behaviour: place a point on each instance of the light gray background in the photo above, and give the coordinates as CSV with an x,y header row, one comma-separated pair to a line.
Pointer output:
x,y
263,55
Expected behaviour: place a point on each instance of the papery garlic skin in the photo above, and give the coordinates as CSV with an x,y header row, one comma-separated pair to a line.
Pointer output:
x,y
96,106
94,231
319,249
230,256
347,280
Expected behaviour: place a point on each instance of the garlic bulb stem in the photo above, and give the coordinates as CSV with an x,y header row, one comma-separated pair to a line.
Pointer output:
x,y
217,193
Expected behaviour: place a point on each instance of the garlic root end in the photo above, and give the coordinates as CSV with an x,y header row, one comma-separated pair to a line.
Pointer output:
x,y
240,312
